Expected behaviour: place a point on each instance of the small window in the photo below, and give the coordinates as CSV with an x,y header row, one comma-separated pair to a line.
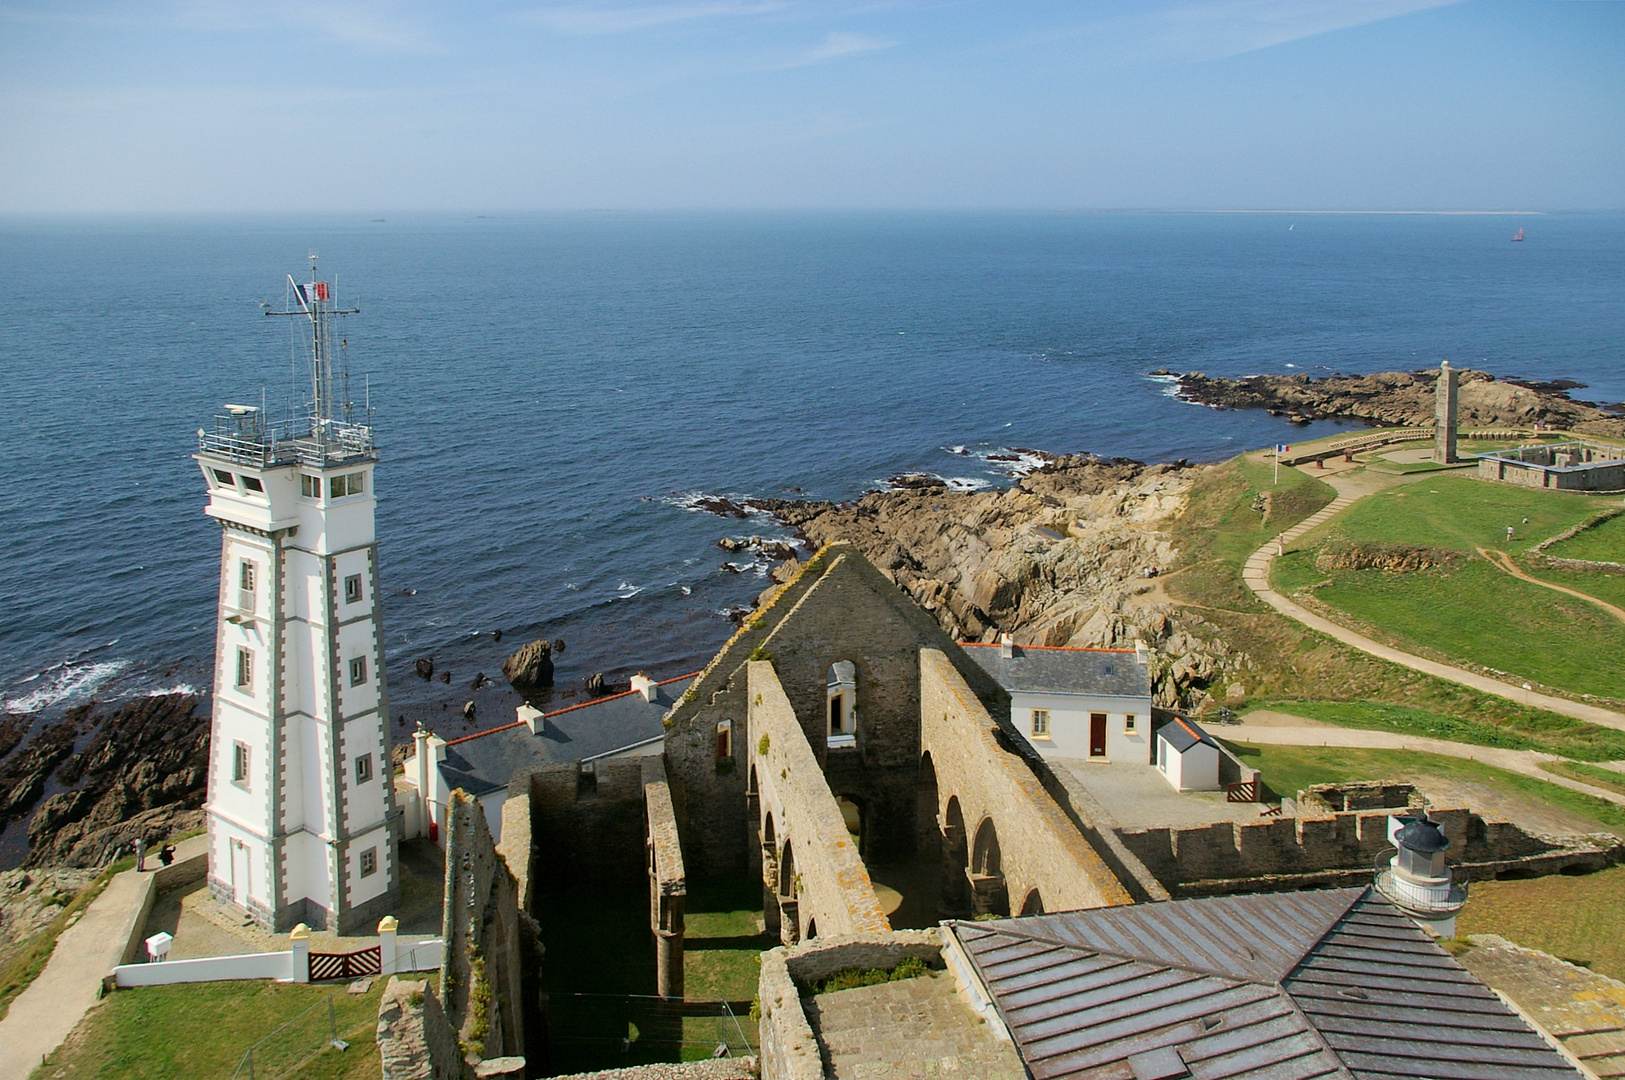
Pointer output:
x,y
352,589
725,739
1128,724
363,768
357,483
252,484
310,486
1040,723
221,476
358,671
245,575
348,484
245,669
239,763
369,862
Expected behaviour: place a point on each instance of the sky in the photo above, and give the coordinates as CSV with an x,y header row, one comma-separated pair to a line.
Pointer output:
x,y
189,106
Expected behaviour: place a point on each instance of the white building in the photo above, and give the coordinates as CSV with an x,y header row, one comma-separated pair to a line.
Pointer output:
x,y
1093,704
1187,756
301,814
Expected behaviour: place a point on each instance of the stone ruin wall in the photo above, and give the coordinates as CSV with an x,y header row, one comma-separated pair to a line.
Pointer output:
x,y
565,824
813,867
482,973
1040,847
1336,846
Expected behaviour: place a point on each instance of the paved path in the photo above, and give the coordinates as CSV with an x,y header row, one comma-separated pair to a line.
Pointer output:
x,y
1502,561
42,1015
1256,573
1278,729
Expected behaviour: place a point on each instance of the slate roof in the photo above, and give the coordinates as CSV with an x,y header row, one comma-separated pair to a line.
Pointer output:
x,y
485,761
1036,669
1278,986
1183,734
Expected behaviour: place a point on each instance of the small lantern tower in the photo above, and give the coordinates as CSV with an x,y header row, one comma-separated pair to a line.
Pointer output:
x,y
1416,878
301,812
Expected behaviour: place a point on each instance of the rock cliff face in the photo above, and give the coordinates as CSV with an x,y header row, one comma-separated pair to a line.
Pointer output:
x,y
1401,399
1069,555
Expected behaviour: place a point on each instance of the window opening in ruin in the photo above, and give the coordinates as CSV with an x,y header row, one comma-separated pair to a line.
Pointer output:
x,y
725,739
852,817
787,871
1033,905
841,689
1040,723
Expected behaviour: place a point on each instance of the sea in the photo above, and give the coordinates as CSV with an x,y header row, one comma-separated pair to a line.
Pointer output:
x,y
555,393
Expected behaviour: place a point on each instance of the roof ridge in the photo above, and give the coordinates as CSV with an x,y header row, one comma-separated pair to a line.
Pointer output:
x,y
1050,648
567,708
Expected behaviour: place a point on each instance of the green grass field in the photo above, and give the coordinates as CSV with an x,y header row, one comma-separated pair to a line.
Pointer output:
x,y
1591,911
1458,512
1604,542
1515,729
1602,585
1595,775
200,1032
1289,769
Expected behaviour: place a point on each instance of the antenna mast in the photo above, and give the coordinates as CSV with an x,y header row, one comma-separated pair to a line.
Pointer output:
x,y
316,303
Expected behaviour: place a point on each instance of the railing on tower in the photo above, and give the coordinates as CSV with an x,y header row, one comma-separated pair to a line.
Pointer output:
x,y
247,439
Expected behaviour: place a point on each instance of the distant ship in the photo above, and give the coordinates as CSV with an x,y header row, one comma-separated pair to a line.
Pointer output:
x,y
1517,235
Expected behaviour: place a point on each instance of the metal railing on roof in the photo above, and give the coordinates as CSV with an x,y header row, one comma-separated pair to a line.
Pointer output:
x,y
246,438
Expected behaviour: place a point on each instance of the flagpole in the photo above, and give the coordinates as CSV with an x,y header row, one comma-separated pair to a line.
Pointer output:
x,y
1277,465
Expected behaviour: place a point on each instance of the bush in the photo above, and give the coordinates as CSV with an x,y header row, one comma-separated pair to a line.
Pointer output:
x,y
910,968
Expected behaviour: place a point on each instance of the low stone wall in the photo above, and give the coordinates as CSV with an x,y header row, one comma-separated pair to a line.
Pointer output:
x,y
1325,849
668,881
415,1039
789,1049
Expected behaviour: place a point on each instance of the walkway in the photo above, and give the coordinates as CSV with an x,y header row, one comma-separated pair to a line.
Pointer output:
x,y
43,1015
1269,728
1502,561
917,1027
1256,573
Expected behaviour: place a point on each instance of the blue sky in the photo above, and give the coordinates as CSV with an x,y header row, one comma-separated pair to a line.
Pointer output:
x,y
398,105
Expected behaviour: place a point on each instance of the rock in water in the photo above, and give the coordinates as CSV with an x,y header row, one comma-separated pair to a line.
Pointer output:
x,y
531,668
496,635
595,685
425,668
468,710
558,646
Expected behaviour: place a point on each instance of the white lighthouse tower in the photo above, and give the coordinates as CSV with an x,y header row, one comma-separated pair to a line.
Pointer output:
x,y
301,815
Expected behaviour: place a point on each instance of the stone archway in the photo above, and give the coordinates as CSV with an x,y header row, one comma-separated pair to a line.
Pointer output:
x,y
768,847
1033,904
989,895
955,902
789,908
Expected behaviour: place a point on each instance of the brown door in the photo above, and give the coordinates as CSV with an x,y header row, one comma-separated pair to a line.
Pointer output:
x,y
1097,734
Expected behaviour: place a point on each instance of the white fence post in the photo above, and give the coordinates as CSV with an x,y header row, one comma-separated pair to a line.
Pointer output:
x,y
299,938
386,944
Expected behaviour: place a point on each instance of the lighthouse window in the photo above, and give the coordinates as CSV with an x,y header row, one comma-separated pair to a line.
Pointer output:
x,y
245,669
239,763
352,589
245,576
363,768
348,484
223,477
310,486
358,671
369,862
252,484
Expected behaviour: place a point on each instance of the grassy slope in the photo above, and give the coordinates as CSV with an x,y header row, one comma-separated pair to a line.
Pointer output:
x,y
1592,907
1472,612
1289,769
1601,543
1595,775
201,1031
1526,729
1216,534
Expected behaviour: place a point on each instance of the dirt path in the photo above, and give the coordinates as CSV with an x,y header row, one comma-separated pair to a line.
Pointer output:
x,y
1256,573
1267,727
1501,560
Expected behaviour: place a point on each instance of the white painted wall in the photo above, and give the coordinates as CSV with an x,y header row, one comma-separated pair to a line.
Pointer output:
x,y
1197,769
1069,725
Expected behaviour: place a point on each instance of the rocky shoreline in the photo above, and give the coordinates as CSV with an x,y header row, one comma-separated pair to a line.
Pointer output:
x,y
1405,399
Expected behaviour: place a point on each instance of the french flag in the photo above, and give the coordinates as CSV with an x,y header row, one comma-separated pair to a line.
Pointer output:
x,y
315,290
1281,448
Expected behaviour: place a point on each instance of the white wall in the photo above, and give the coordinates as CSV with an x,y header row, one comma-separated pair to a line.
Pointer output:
x,y
272,965
1069,725
1197,769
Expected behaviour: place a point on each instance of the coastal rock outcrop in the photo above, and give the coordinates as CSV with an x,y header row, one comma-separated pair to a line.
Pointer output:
x,y
1069,555
1405,399
531,668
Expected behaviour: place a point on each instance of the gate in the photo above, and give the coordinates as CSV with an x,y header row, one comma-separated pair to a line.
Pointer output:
x,y
1241,791
350,965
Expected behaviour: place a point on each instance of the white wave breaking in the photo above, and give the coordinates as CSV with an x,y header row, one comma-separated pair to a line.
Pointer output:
x,y
64,684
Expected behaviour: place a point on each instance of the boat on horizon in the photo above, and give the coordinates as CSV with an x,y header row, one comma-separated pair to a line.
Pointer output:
x,y
1517,236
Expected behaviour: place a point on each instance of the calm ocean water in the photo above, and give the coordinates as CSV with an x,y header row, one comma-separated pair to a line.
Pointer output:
x,y
550,391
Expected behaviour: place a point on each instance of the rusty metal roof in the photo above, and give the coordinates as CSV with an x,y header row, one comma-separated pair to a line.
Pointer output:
x,y
1280,986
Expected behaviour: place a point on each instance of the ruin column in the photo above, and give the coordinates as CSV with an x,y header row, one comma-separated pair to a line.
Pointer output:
x,y
770,891
669,947
1444,415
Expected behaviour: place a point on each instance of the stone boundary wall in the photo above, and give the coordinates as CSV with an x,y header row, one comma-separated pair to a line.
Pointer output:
x,y
789,1049
415,1040
668,882
1040,847
1318,850
1084,810
831,886
572,823
481,972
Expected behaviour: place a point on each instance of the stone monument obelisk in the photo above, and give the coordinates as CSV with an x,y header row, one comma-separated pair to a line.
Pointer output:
x,y
1444,415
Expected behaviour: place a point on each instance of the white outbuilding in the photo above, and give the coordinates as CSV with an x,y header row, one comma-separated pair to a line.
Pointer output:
x,y
1187,756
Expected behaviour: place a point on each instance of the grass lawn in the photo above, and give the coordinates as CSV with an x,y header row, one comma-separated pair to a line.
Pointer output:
x,y
202,1031
1289,769
1459,512
1486,616
1517,729
1595,775
1600,543
1598,583
1590,911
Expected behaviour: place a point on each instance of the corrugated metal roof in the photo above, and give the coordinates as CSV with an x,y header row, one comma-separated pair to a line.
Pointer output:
x,y
1038,670
1280,985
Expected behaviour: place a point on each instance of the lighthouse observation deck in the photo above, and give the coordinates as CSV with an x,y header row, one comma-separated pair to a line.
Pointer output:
x,y
243,436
